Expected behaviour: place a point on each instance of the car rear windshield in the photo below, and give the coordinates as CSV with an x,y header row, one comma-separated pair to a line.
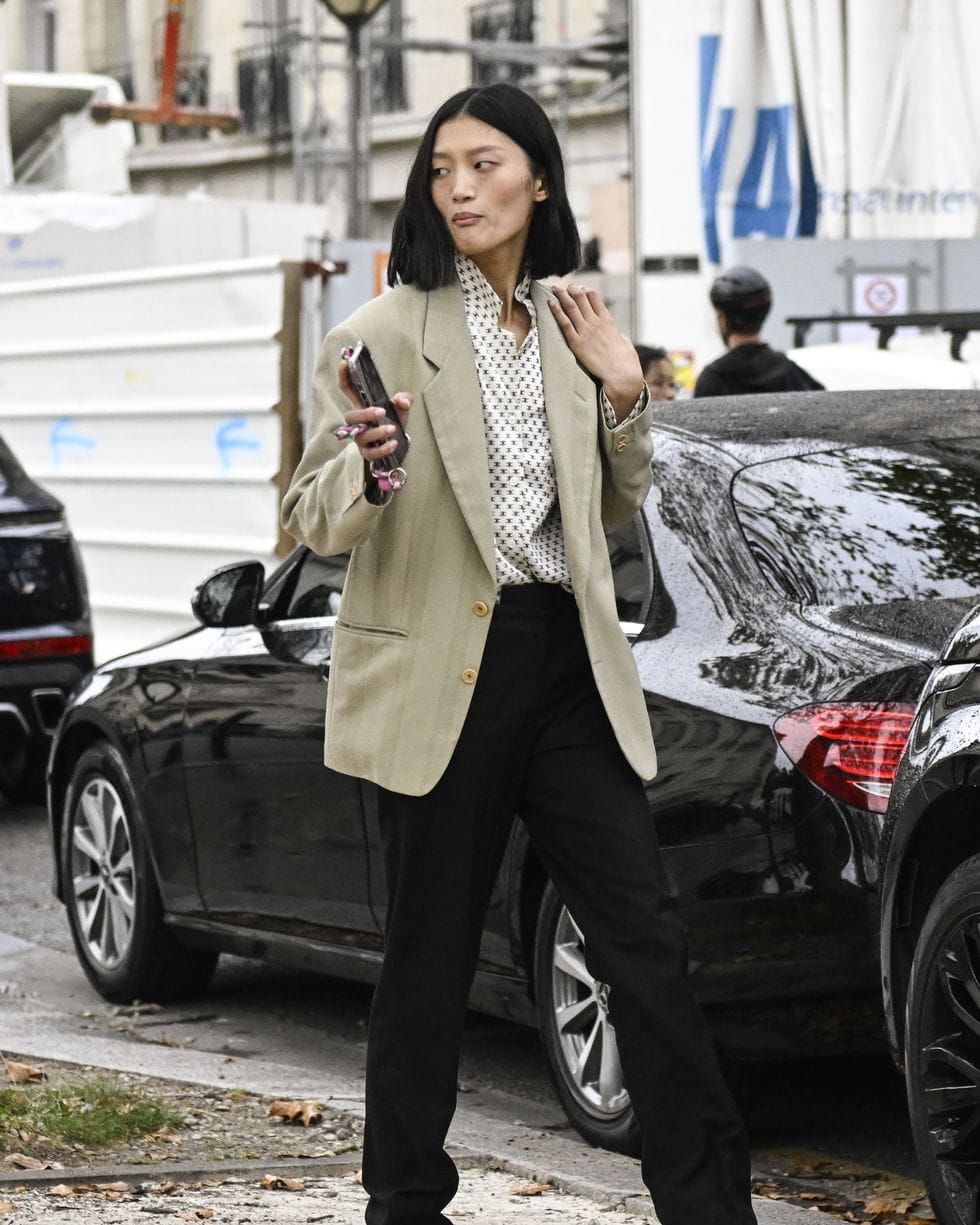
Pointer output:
x,y
866,525
37,583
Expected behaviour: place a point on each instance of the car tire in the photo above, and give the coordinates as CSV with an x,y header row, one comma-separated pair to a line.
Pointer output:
x,y
111,894
573,1018
942,1046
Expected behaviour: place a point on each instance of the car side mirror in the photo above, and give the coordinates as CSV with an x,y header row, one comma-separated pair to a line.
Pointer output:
x,y
229,596
965,643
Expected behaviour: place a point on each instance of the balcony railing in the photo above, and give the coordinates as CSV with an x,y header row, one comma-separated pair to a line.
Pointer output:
x,y
263,91
192,88
501,21
389,90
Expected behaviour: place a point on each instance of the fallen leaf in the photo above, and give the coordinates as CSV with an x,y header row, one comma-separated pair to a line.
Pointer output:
x,y
62,1189
274,1182
166,1188
33,1163
530,1188
21,1073
112,1186
305,1112
898,1205
196,1214
5,1207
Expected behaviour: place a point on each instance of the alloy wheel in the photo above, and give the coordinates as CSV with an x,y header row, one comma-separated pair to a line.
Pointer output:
x,y
586,1035
949,1063
103,876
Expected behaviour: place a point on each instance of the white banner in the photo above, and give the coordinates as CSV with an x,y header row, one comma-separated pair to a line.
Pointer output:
x,y
857,119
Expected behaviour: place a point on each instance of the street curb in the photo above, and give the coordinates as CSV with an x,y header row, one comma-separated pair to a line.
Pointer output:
x,y
123,1057
193,1171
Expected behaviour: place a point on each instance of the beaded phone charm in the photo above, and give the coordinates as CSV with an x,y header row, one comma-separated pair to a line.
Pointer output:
x,y
388,473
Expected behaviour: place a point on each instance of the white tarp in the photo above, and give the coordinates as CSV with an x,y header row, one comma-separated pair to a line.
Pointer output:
x,y
839,118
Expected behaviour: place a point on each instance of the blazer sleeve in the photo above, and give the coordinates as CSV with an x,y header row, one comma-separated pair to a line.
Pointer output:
x,y
325,506
626,477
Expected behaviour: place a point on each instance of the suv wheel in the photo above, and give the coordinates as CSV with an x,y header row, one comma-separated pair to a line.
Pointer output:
x,y
111,893
577,1034
942,1048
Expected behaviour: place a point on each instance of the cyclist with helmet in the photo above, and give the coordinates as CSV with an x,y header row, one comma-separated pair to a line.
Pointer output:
x,y
742,298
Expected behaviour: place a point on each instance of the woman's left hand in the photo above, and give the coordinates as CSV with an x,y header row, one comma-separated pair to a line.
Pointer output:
x,y
599,345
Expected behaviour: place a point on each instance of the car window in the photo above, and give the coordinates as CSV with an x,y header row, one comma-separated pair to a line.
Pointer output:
x,y
629,552
866,525
315,589
37,583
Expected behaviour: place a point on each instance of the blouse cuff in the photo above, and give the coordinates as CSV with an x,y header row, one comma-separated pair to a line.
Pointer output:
x,y
609,413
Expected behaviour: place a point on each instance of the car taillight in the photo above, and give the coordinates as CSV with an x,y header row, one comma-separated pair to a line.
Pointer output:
x,y
46,648
851,750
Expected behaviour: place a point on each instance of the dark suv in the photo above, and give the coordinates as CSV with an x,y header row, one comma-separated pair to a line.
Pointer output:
x,y
931,926
45,629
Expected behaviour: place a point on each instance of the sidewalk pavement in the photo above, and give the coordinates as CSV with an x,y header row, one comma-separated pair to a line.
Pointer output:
x,y
499,1142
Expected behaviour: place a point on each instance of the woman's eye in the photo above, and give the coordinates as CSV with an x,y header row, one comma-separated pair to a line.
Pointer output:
x,y
483,165
438,171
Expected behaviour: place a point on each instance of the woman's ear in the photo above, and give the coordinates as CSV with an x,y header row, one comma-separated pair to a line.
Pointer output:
x,y
540,191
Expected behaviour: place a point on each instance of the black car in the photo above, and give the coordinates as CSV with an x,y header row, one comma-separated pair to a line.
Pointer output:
x,y
795,568
931,926
45,630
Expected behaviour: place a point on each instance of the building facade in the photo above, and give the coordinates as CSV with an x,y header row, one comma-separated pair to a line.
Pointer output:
x,y
284,65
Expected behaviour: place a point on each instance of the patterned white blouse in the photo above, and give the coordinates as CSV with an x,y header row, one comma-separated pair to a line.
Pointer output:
x,y
530,546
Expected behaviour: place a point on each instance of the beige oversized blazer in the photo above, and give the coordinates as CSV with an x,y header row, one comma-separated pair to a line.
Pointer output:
x,y
420,591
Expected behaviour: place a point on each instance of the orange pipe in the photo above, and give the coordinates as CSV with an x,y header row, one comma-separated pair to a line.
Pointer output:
x,y
171,45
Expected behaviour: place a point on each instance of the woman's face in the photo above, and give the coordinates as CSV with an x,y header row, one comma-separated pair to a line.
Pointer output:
x,y
484,189
659,376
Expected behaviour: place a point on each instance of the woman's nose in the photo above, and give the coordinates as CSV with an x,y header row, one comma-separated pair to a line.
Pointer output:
x,y
462,188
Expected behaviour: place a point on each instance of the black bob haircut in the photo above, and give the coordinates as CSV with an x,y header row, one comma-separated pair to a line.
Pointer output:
x,y
422,251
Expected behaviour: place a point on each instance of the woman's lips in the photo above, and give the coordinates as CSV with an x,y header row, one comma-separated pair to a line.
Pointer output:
x,y
465,218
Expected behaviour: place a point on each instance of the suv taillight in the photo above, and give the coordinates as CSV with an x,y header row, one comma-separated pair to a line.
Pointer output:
x,y
46,648
851,750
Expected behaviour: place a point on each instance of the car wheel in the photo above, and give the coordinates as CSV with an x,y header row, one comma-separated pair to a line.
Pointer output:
x,y
942,1051
111,893
577,1034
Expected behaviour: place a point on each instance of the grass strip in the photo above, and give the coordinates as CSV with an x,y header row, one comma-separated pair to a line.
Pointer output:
x,y
90,1112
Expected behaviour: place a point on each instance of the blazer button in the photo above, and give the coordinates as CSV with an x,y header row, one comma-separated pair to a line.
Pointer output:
x,y
622,443
468,676
480,608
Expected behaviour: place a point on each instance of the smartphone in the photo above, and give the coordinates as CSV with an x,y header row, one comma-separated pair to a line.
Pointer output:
x,y
368,385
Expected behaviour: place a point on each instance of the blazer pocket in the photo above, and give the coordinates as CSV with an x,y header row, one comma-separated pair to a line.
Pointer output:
x,y
372,631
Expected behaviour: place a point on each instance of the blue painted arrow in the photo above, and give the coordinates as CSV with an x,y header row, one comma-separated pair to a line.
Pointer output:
x,y
62,437
228,439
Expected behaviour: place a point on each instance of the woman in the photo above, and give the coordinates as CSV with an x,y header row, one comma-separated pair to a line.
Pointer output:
x,y
478,665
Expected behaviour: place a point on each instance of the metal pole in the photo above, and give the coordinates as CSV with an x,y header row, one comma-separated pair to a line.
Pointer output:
x,y
562,125
6,159
355,70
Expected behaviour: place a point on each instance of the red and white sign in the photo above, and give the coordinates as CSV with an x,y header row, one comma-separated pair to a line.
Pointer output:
x,y
879,293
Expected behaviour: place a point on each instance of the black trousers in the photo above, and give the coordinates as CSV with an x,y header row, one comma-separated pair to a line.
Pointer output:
x,y
537,742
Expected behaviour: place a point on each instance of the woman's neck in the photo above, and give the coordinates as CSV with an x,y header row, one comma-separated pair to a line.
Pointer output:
x,y
504,272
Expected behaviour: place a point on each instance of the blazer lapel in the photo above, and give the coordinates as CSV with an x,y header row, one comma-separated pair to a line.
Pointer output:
x,y
453,399
570,399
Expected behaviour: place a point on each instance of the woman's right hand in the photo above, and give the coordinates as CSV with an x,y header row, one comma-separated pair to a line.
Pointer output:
x,y
376,441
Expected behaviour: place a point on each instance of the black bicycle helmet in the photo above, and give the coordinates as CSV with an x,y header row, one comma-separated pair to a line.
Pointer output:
x,y
740,287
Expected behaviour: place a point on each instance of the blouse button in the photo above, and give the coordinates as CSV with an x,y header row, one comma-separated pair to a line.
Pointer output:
x,y
468,676
480,608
